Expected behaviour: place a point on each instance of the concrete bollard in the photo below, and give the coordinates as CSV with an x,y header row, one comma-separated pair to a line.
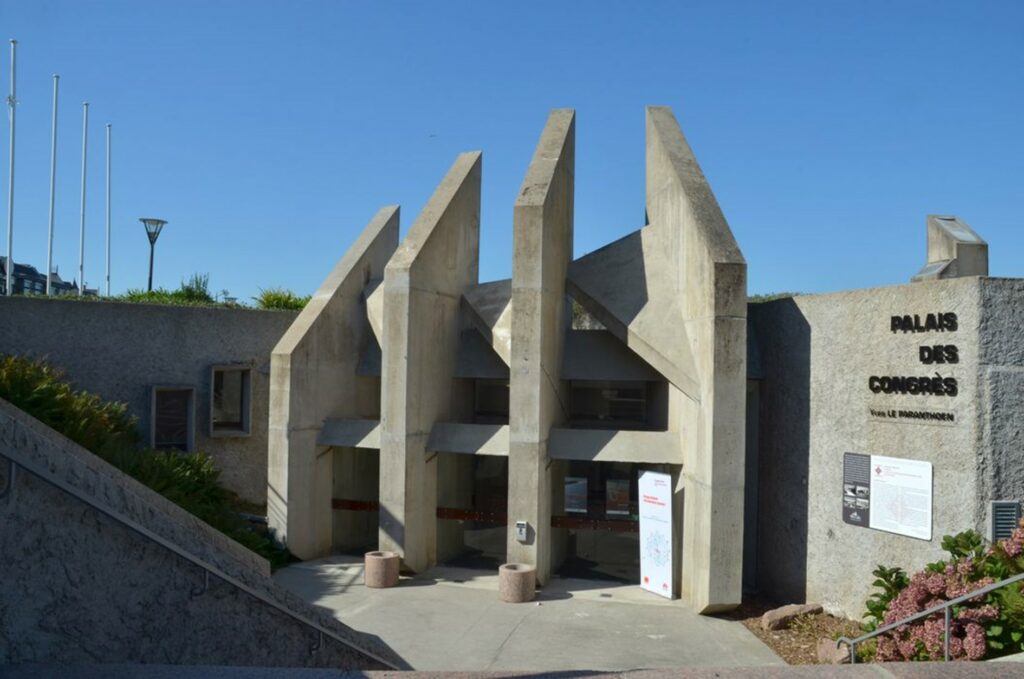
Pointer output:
x,y
380,569
517,582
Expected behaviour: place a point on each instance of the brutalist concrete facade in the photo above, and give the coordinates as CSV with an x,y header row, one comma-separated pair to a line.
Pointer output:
x,y
833,371
380,391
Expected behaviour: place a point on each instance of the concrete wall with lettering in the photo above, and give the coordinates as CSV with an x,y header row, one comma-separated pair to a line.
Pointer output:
x,y
120,351
818,400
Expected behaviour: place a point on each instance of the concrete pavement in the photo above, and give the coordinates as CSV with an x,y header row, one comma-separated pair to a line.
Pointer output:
x,y
451,619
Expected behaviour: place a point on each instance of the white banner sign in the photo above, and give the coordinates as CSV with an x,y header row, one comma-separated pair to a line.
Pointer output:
x,y
656,567
901,496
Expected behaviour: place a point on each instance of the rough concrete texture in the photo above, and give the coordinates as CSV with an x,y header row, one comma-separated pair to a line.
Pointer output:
x,y
710,277
451,619
381,569
80,586
120,351
423,284
313,378
517,583
541,251
815,406
490,309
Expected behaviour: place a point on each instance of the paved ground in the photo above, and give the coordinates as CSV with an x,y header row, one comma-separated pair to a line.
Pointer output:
x,y
451,619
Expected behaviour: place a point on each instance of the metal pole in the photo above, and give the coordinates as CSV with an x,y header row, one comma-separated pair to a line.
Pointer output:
x,y
108,209
11,102
152,246
946,642
53,188
81,233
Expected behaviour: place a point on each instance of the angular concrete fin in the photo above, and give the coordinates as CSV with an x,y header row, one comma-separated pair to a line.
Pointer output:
x,y
705,270
680,205
445,237
423,286
312,378
542,250
623,286
489,308
373,294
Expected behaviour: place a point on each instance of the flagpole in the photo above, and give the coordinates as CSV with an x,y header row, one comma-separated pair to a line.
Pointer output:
x,y
81,233
11,102
108,209
53,188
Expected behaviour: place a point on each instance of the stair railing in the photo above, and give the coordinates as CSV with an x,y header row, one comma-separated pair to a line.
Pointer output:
x,y
944,607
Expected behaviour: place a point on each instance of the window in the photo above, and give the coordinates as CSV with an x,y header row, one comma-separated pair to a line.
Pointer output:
x,y
173,418
230,399
609,405
490,404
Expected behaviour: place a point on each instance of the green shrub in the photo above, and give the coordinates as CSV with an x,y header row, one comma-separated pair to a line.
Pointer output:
x,y
279,298
105,428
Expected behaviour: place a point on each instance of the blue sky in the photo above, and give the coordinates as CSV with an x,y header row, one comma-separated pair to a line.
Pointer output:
x,y
268,133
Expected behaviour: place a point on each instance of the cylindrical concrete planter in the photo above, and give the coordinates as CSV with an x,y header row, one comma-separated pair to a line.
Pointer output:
x,y
381,569
517,582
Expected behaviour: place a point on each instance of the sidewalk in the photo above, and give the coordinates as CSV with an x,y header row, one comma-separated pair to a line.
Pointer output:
x,y
451,619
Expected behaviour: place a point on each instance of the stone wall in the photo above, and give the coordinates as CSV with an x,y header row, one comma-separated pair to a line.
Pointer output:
x,y
817,355
79,586
120,351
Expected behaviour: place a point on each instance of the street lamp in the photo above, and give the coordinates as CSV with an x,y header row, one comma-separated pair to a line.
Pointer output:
x,y
153,228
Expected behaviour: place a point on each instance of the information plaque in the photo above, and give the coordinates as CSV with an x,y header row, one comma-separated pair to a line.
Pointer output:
x,y
888,493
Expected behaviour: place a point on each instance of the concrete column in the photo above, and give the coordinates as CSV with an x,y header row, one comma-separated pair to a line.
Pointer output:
x,y
312,378
542,250
709,275
423,286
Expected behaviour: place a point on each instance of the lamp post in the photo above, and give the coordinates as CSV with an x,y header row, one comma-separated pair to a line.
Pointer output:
x,y
153,228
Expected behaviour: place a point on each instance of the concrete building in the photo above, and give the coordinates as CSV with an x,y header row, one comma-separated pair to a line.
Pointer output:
x,y
417,408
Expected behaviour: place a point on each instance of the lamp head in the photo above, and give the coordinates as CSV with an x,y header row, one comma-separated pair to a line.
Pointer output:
x,y
153,227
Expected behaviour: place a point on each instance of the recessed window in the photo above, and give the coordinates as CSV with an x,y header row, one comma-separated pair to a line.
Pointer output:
x,y
230,398
609,405
173,418
491,402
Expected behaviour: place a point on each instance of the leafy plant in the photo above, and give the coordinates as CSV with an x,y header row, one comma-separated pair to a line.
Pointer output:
x,y
190,480
890,582
279,298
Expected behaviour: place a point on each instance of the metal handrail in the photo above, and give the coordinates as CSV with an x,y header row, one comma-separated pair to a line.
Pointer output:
x,y
945,606
208,568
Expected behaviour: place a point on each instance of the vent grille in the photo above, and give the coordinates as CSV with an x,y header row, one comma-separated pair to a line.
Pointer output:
x,y
1005,515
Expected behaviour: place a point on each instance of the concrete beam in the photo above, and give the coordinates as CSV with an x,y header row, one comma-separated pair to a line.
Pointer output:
x,y
471,439
489,306
313,378
341,433
423,285
542,250
373,294
629,287
599,445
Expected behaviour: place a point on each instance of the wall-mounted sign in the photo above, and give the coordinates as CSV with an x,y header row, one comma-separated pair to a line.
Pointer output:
x,y
616,501
656,567
576,494
856,489
889,494
935,356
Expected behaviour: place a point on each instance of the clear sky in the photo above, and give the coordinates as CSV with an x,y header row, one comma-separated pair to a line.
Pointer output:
x,y
268,133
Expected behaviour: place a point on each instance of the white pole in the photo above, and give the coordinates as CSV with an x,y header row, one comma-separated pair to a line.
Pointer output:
x,y
108,209
81,233
11,102
53,188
